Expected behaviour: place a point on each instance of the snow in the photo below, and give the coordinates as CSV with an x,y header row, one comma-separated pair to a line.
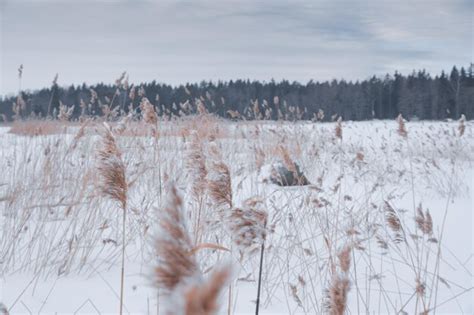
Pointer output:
x,y
58,245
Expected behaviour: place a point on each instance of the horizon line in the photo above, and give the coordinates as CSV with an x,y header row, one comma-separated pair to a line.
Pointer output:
x,y
301,82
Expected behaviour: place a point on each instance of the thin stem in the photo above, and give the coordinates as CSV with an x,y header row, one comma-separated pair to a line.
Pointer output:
x,y
123,260
260,278
229,301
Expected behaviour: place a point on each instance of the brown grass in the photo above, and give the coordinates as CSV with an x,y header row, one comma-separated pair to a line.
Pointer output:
x,y
37,127
337,295
424,221
196,164
113,183
338,129
203,299
219,185
173,246
148,112
344,257
248,224
402,131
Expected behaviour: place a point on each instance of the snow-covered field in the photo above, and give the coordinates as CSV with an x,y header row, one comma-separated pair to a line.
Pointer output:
x,y
60,239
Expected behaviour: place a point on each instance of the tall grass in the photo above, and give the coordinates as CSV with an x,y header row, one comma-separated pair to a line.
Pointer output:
x,y
113,184
362,237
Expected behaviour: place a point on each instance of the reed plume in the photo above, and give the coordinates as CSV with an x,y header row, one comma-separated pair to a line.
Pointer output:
x,y
259,158
393,222
338,130
320,115
344,257
65,112
220,189
177,271
249,227
336,299
173,246
219,181
402,131
113,184
197,166
203,299
337,295
424,221
248,224
148,111
392,219
233,114
201,109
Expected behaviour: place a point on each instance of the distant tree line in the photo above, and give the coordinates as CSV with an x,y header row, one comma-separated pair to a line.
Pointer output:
x,y
416,96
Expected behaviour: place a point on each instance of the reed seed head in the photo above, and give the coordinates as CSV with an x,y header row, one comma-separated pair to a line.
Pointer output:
x,y
111,168
173,246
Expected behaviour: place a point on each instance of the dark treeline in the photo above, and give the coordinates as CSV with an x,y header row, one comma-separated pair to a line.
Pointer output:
x,y
415,96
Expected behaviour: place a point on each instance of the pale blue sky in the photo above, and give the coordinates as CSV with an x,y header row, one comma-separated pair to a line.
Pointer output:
x,y
189,41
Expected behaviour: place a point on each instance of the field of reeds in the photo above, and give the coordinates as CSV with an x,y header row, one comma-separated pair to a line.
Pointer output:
x,y
184,216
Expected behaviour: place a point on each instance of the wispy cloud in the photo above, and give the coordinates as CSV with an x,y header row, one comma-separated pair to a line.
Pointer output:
x,y
180,41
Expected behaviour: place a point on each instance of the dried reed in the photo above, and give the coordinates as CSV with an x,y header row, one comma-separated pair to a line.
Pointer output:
x,y
402,131
203,299
173,246
338,130
337,295
113,184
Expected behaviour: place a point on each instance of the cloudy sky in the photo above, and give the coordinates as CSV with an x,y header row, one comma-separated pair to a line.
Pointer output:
x,y
189,41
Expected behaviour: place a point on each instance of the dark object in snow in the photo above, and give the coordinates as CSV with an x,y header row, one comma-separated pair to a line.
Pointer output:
x,y
282,176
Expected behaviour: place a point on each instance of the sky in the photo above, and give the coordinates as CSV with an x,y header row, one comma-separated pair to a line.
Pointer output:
x,y
175,42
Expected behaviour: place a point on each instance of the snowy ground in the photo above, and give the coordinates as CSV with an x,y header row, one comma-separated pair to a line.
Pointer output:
x,y
60,240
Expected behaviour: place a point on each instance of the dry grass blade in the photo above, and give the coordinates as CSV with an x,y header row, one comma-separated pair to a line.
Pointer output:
x,y
338,130
337,295
208,246
219,185
428,226
111,168
203,299
114,185
148,111
80,133
173,245
259,157
344,257
420,217
393,222
248,224
197,166
402,131
295,296
381,242
392,219
65,112
420,287
424,221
